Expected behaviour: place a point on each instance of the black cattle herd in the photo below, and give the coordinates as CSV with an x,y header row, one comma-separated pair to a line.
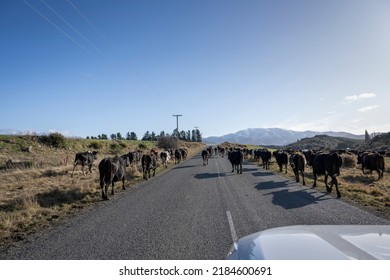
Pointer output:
x,y
323,163
328,164
113,169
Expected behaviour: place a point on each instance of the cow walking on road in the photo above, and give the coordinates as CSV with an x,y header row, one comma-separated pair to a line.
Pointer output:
x,y
149,162
297,163
281,159
236,158
112,170
327,164
205,157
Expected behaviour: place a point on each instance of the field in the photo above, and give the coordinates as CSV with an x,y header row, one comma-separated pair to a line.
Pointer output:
x,y
38,190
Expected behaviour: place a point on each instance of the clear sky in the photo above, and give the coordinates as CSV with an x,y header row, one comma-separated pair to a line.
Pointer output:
x,y
87,67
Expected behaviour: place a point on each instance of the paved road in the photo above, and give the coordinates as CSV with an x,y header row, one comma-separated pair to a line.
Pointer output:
x,y
190,212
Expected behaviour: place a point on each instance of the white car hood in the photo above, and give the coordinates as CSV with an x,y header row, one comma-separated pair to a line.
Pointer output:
x,y
317,242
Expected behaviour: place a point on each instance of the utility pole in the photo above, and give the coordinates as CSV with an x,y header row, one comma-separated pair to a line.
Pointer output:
x,y
177,122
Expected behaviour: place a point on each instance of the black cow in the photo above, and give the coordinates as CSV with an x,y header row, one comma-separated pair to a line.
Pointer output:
x,y
149,162
205,157
372,161
236,159
327,164
281,159
85,158
183,153
297,163
112,170
265,158
178,156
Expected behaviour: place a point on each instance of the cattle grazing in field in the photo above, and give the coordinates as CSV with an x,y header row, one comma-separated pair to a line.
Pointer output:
x,y
281,159
165,158
327,164
205,157
297,163
236,158
112,170
149,162
372,161
84,158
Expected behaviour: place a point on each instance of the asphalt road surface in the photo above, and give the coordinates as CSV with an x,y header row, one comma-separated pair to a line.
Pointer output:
x,y
189,212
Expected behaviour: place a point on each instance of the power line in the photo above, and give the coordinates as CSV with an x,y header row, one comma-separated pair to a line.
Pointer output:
x,y
73,28
90,24
59,29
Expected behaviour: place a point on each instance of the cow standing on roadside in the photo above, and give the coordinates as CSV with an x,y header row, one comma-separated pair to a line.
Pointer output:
x,y
84,158
372,161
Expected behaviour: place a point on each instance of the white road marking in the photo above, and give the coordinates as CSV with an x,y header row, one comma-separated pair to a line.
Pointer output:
x,y
231,226
219,175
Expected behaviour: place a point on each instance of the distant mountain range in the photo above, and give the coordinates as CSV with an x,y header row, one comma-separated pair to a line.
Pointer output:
x,y
272,136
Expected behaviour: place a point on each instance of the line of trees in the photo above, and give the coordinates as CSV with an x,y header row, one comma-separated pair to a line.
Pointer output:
x,y
189,136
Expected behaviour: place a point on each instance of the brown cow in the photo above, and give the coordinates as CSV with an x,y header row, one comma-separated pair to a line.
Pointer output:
x,y
149,162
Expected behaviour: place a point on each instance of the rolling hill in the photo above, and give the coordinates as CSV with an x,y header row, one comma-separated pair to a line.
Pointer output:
x,y
273,136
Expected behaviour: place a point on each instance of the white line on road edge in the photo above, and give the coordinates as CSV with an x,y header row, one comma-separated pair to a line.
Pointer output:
x,y
231,226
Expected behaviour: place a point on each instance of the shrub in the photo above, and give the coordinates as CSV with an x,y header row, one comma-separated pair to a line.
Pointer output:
x,y
123,144
142,146
96,145
115,147
56,140
167,143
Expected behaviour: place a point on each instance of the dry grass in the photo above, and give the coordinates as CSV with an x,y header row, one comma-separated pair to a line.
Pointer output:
x,y
36,197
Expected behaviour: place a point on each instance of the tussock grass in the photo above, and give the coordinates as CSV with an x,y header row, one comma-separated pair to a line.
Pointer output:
x,y
37,197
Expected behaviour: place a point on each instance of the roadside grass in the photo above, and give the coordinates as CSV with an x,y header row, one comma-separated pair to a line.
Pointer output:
x,y
44,193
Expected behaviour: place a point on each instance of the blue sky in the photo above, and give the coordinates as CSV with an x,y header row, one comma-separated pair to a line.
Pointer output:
x,y
87,67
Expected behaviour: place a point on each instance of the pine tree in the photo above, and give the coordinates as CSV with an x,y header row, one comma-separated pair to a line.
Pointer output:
x,y
367,137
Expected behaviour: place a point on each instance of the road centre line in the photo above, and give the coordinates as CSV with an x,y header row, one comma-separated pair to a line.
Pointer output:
x,y
231,226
